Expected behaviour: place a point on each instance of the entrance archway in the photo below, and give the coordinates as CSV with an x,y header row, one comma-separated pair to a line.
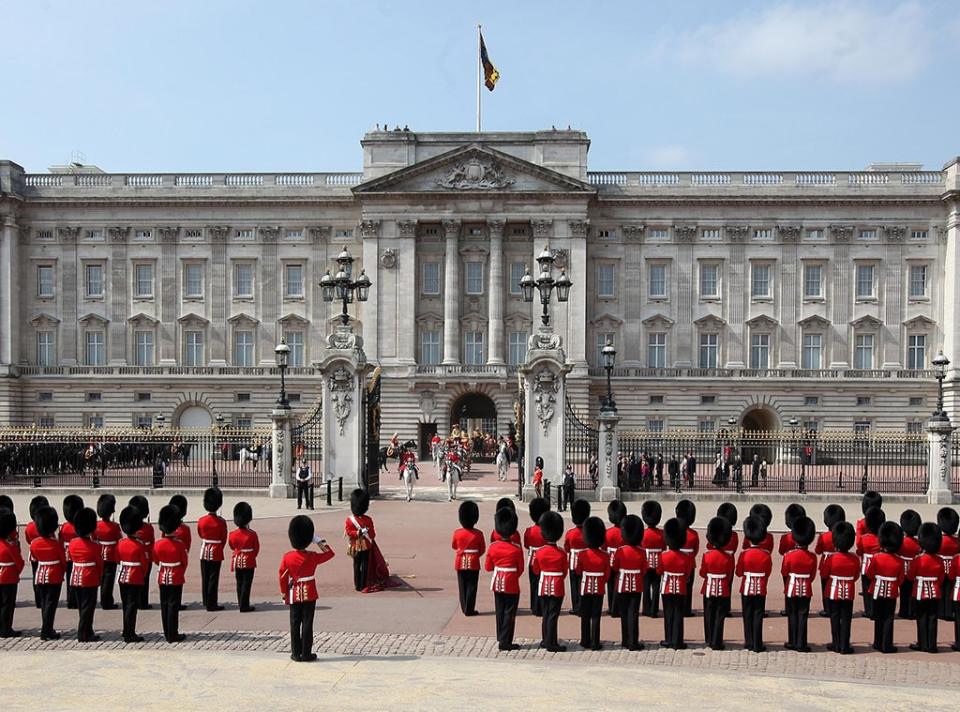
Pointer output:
x,y
758,425
759,419
195,416
476,413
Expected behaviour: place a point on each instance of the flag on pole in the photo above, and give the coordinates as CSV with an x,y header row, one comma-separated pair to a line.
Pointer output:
x,y
490,73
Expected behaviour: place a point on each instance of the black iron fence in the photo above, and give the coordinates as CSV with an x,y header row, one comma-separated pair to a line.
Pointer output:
x,y
581,443
225,457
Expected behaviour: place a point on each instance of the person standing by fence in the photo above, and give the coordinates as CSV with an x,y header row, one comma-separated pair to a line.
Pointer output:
x,y
304,480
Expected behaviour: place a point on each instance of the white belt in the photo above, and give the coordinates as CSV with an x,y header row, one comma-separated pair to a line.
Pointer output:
x,y
167,565
792,581
84,565
304,579
750,577
132,564
212,541
653,551
471,551
686,551
534,548
552,573
4,564
838,579
630,571
712,581
611,550
48,563
592,573
244,551
108,543
497,570
878,579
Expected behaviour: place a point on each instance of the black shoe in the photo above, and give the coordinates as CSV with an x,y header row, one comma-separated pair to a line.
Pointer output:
x,y
147,607
847,651
598,646
215,609
295,657
183,607
638,646
789,646
472,613
91,639
891,649
308,658
955,647
179,638
134,639
248,609
824,614
11,634
111,607
664,644
557,649
50,636
682,646
915,646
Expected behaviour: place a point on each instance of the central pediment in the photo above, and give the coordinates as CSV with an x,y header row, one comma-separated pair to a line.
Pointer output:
x,y
473,169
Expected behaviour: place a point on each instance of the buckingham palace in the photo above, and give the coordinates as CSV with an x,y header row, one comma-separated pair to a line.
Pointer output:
x,y
763,296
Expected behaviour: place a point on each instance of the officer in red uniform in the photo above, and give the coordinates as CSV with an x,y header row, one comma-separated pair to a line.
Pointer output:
x,y
573,544
653,546
409,457
763,513
298,585
359,530
107,535
833,514
799,569
885,573
532,542
909,550
793,512
926,572
550,564
629,570
948,521
616,511
868,546
674,569
754,567
87,571
508,503
840,571
868,500
245,545
593,570
686,512
29,534
51,560
11,564
147,535
132,568
469,544
505,560
716,570
212,531
170,556
71,505
183,532
728,511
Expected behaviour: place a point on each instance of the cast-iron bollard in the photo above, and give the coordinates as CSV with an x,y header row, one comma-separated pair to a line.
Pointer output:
x,y
339,489
803,479
863,480
546,490
329,493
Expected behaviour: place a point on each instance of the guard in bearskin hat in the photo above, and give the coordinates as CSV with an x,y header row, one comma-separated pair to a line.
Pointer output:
x,y
550,564
298,584
505,560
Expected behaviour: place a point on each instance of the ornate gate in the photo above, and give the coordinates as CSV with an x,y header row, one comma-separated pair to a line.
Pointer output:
x,y
371,434
306,440
580,449
518,438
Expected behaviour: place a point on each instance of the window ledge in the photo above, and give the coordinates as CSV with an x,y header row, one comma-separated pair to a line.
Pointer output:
x,y
658,300
918,300
710,300
866,300
293,298
243,299
814,300
761,300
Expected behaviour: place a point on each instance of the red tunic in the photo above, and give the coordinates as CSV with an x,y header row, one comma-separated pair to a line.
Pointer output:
x,y
926,571
469,545
824,547
574,545
30,533
949,548
716,570
799,569
766,544
692,545
732,545
87,569
885,572
51,560
653,546
840,572
675,568
212,530
298,574
505,560
66,535
11,563
909,550
550,564
593,565
108,535
613,541
184,534
147,535
629,564
532,541
515,537
245,545
867,547
352,527
170,555
133,560
754,566
954,573
786,543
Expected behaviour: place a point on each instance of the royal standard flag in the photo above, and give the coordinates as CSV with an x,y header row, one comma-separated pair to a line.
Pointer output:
x,y
490,73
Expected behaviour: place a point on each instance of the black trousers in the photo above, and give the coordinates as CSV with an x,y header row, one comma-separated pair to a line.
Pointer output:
x,y
906,599
49,600
86,604
36,591
798,614
8,601
71,595
651,593
841,612
591,610
107,582
305,492
145,589
884,610
467,584
926,612
613,604
956,623
130,601
535,606
575,593
361,560
551,615
629,606
569,494
715,609
505,605
673,620
867,598
688,601
301,628
210,583
170,598
753,621
244,584
945,609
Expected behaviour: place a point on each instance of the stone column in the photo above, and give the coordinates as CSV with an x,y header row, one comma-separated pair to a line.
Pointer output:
x,y
369,312
608,487
10,283
281,484
737,296
939,431
495,354
165,279
218,292
269,294
842,299
118,308
948,237
406,268
451,293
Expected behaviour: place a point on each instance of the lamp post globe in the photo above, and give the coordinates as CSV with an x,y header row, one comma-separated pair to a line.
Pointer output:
x,y
282,352
940,363
545,284
609,356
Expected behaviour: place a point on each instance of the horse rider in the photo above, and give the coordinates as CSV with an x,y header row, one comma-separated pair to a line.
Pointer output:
x,y
409,459
394,445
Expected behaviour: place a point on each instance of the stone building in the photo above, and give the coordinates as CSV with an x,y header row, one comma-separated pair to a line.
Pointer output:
x,y
760,296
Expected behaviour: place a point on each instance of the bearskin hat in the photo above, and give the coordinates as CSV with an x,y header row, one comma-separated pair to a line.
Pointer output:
x,y
6,502
930,537
804,531
675,533
212,499
761,512
180,502
106,506
754,529
833,514
71,505
131,521
873,518
8,522
843,536
469,514
36,503
242,514
47,521
686,511
651,512
719,531
793,511
141,503
891,537
506,502
728,511
579,511
359,502
594,532
300,531
538,507
85,522
551,527
170,518
631,528
504,521
870,499
910,522
616,511
948,521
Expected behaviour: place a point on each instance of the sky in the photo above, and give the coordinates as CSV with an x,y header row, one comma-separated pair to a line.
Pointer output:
x,y
217,85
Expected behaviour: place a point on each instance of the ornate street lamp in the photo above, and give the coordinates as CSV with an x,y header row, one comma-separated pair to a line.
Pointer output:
x,y
735,454
282,352
940,362
343,287
546,284
609,356
802,483
160,419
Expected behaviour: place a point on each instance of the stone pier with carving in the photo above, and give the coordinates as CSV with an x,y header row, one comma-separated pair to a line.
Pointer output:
x,y
939,432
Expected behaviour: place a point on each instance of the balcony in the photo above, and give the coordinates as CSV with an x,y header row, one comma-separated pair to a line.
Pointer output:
x,y
482,371
764,373
140,371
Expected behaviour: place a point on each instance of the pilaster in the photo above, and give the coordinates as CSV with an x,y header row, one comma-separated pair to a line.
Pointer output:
x,y
119,310
939,432
451,293
281,484
10,282
166,290
607,487
218,294
495,354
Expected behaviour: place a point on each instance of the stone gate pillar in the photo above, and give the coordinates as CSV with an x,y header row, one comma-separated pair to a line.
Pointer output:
x,y
939,430
281,484
608,488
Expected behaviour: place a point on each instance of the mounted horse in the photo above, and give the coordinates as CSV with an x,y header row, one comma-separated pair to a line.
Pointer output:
x,y
392,452
409,471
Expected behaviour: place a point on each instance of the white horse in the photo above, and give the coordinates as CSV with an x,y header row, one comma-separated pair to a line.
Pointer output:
x,y
408,474
454,474
251,455
503,462
437,455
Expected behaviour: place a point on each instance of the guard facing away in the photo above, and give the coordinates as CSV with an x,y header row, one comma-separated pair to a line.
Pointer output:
x,y
132,569
505,560
469,545
107,535
754,567
170,556
629,570
147,535
51,567
926,572
885,573
212,532
686,512
675,568
11,565
833,514
71,505
616,511
716,570
574,545
245,545
533,541
868,546
909,550
593,569
298,584
948,521
86,573
550,564
840,572
653,546
29,534
799,569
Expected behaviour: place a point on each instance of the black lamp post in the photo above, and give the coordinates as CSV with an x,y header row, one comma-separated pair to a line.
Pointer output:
x,y
160,421
802,482
282,352
609,356
216,446
545,284
940,362
343,287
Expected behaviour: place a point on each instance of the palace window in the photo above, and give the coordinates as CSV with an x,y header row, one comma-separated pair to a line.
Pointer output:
x,y
517,270
916,351
760,351
607,234
46,348
605,281
93,421
861,427
430,347
294,341
93,280
655,425
193,349
812,281
864,400
143,347
474,277
143,281
863,351
811,400
95,352
243,348
46,421
294,234
867,235
193,280
657,350
431,278
517,348
709,280
657,282
865,282
815,234
473,352
763,233
711,233
706,426
918,234
918,281
243,280
760,280
812,353
244,234
45,281
293,277
659,233
603,338
194,233
709,350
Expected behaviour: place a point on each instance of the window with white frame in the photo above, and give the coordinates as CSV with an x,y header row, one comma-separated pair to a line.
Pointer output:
x,y
294,341
93,421
517,348
44,234
342,234
244,233
710,233
866,288
763,233
430,283
861,427
655,425
706,425
143,281
607,234
867,235
659,233
46,421
46,348
812,281
193,233
863,351
810,427
193,280
864,401
517,270
95,235
811,400
93,280
143,348
243,422
293,281
815,234
657,281
918,234
474,277
605,281
473,351
243,348
760,280
243,280
193,355
95,351
918,281
709,350
811,355
603,338
657,349
45,281
144,422
915,427
143,234
294,234
916,351
430,347
709,280
760,351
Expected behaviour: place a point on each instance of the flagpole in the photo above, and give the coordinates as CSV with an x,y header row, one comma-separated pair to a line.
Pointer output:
x,y
479,77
